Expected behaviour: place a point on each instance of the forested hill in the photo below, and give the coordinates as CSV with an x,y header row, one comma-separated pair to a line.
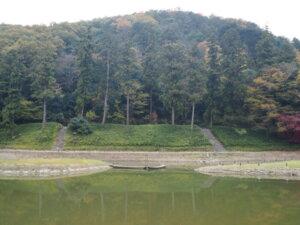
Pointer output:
x,y
153,66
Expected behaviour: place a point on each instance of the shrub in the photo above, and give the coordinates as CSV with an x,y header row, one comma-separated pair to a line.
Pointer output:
x,y
91,116
289,127
80,126
60,118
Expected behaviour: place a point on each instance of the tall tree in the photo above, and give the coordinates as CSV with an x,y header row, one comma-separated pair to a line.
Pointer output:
x,y
195,78
171,80
13,72
108,49
213,84
265,51
151,71
43,76
296,43
129,72
234,63
85,88
148,37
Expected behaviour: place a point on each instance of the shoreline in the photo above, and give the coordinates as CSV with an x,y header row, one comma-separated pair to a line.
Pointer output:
x,y
260,173
46,171
207,161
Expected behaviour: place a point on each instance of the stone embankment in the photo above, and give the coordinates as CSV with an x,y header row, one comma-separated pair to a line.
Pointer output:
x,y
270,173
47,171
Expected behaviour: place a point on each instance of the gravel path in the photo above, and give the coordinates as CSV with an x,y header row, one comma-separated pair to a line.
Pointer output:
x,y
60,139
217,146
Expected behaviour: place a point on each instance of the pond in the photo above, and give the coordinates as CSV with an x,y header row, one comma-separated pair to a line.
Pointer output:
x,y
171,197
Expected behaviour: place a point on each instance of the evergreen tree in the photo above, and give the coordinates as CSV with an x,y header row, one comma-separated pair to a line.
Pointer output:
x,y
234,63
108,49
85,88
148,38
129,73
13,71
296,43
195,78
151,71
214,79
171,80
44,84
265,51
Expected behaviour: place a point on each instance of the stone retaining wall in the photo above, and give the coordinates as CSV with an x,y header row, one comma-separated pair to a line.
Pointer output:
x,y
286,173
35,171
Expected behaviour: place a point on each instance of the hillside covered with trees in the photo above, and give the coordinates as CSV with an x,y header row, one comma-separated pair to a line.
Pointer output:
x,y
153,67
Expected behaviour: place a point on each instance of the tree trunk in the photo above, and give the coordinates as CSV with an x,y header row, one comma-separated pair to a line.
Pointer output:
x,y
185,111
82,111
211,119
173,116
127,110
106,90
193,116
44,114
151,105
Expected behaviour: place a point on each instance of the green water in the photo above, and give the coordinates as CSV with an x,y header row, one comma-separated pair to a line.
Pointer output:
x,y
152,198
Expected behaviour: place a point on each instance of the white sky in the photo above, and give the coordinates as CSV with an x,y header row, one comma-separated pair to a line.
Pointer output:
x,y
282,16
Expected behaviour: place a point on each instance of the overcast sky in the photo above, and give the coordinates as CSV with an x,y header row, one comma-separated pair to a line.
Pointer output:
x,y
281,16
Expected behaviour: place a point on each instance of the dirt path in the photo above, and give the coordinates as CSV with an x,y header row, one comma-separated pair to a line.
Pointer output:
x,y
60,139
217,146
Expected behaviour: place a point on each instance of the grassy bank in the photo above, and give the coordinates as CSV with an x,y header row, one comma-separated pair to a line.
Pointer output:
x,y
29,136
51,162
250,140
139,137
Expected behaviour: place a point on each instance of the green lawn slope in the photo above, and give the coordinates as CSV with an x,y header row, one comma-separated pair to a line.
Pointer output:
x,y
250,140
139,137
29,136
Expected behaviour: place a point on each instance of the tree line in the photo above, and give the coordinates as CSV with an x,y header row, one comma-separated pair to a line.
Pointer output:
x,y
158,66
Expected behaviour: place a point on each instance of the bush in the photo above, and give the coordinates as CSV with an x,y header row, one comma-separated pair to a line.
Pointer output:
x,y
80,126
60,118
91,116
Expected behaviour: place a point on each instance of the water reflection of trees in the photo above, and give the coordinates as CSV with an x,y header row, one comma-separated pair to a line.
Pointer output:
x,y
190,200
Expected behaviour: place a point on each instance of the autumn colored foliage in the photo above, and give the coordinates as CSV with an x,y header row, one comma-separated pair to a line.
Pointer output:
x,y
289,128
